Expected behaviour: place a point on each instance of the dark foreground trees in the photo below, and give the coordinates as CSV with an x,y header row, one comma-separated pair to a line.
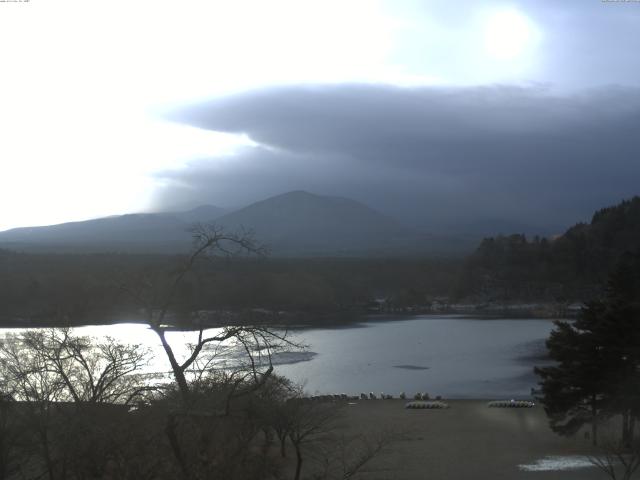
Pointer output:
x,y
80,408
161,299
597,375
617,460
225,431
73,368
199,414
66,396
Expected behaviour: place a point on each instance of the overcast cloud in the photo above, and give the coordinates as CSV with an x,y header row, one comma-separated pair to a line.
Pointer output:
x,y
428,156
425,109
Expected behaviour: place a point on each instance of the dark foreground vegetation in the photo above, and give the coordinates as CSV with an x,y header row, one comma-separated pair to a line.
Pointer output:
x,y
77,408
596,376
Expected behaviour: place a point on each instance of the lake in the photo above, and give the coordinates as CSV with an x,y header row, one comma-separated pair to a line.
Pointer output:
x,y
448,355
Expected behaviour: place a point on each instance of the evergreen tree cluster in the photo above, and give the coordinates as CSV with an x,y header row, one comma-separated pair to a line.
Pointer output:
x,y
570,267
597,374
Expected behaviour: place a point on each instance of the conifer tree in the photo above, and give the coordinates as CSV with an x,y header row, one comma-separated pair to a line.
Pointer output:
x,y
597,370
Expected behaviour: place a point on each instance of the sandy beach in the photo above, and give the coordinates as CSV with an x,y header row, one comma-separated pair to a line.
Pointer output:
x,y
466,441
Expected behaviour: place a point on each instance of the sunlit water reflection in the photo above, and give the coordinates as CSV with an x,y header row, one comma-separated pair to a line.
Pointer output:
x,y
457,357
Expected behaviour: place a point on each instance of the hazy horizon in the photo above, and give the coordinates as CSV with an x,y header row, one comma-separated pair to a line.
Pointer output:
x,y
486,225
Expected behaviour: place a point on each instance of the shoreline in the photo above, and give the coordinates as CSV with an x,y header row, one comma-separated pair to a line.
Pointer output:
x,y
329,320
467,440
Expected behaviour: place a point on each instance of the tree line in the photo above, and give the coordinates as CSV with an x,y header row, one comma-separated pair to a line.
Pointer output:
x,y
85,288
572,267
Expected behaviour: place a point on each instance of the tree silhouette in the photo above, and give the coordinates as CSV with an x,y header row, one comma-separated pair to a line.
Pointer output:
x,y
597,374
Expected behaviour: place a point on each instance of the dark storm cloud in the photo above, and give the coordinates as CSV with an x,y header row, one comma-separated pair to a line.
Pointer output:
x,y
438,155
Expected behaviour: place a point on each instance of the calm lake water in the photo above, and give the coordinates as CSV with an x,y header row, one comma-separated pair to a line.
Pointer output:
x,y
452,356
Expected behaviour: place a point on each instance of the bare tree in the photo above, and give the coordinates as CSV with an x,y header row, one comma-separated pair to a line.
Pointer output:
x,y
26,374
617,460
10,436
89,370
156,297
57,377
308,423
316,432
26,377
343,458
207,387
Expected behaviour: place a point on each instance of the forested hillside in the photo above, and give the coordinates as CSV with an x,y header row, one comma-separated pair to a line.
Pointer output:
x,y
572,266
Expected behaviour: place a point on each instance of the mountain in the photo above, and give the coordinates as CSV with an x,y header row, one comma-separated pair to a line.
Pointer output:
x,y
201,214
139,232
301,223
297,223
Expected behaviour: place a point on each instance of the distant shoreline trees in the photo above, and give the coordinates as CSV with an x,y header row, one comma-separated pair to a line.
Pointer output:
x,y
572,266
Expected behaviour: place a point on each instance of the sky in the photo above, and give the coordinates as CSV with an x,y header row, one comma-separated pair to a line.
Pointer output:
x,y
433,111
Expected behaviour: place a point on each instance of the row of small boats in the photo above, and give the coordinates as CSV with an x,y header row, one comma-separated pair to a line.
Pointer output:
x,y
420,400
419,404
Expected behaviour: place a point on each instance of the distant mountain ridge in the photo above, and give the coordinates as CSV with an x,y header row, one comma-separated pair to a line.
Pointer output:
x,y
295,223
202,213
134,232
